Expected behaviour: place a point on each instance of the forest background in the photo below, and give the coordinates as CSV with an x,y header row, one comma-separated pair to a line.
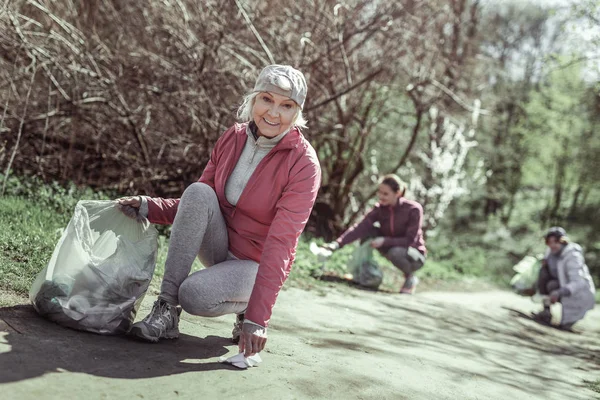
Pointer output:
x,y
490,110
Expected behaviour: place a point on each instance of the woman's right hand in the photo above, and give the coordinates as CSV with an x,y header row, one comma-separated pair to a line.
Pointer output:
x,y
332,246
130,206
377,242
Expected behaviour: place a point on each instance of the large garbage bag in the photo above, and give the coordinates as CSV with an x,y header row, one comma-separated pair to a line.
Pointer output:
x,y
527,273
99,271
365,271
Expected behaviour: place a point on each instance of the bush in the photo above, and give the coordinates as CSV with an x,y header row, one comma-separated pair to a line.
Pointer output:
x,y
53,196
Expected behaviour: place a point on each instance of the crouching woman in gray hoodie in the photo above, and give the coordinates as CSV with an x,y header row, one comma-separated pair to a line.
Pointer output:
x,y
565,278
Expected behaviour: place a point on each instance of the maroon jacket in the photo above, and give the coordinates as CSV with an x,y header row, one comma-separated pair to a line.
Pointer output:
x,y
270,215
400,225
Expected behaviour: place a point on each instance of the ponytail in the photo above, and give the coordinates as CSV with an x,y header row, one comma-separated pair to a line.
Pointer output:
x,y
395,183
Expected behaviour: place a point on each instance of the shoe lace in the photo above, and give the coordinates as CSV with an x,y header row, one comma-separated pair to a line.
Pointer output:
x,y
158,310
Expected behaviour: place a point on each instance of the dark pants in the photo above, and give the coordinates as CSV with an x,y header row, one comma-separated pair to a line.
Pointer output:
x,y
546,282
403,261
399,256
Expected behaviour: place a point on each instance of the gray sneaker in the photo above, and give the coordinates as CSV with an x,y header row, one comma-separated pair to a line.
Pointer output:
x,y
237,328
410,285
161,323
543,317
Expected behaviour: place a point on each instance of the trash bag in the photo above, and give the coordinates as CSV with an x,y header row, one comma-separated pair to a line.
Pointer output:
x,y
365,271
322,257
526,277
99,271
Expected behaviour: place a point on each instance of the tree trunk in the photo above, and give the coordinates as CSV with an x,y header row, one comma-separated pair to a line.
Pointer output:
x,y
575,201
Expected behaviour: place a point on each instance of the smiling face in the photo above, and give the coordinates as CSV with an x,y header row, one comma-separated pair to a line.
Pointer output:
x,y
273,113
386,195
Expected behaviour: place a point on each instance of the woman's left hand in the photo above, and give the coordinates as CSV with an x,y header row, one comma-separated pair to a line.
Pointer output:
x,y
252,339
377,242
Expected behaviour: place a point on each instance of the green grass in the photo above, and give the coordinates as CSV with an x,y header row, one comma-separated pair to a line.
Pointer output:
x,y
31,228
306,266
28,236
32,216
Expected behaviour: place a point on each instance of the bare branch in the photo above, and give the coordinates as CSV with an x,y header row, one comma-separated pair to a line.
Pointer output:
x,y
366,79
457,99
19,133
255,32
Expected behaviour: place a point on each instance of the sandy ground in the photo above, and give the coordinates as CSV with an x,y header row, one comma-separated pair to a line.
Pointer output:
x,y
347,344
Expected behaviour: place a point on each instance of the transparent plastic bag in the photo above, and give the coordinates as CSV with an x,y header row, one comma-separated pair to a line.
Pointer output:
x,y
527,274
365,271
99,271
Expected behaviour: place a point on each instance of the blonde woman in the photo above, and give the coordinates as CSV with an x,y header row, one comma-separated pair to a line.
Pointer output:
x,y
242,218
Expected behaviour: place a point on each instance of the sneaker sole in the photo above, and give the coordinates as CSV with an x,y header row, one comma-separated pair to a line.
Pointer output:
x,y
410,290
138,332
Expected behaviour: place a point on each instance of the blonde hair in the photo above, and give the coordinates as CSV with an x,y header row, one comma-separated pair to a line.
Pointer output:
x,y
244,112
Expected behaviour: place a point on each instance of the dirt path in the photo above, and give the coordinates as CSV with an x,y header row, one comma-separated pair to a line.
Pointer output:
x,y
349,344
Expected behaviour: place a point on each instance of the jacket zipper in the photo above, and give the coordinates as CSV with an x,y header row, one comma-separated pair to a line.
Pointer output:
x,y
255,148
392,220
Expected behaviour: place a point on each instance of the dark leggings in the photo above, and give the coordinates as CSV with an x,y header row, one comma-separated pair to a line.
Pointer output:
x,y
546,283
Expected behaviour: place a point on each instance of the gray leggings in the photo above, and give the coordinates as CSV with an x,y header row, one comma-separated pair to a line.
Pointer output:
x,y
225,285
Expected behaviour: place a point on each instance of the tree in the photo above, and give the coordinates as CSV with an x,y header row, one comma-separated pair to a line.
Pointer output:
x,y
518,43
132,96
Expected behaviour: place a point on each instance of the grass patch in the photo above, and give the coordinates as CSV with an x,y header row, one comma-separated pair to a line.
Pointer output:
x,y
33,215
27,238
31,229
434,274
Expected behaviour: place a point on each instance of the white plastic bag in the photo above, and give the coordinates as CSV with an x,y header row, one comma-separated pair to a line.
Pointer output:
x,y
527,273
365,271
99,271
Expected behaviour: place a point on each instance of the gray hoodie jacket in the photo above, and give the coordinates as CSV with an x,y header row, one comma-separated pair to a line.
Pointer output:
x,y
574,275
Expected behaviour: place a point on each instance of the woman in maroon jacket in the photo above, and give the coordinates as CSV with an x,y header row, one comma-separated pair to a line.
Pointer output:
x,y
395,227
242,219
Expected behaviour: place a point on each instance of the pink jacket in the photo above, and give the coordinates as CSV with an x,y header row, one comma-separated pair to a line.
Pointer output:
x,y
270,214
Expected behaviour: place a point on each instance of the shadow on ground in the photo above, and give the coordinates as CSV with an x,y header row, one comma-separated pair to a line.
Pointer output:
x,y
349,344
333,278
34,347
496,345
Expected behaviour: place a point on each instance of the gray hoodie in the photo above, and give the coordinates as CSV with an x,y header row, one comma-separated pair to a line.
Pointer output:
x,y
574,275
